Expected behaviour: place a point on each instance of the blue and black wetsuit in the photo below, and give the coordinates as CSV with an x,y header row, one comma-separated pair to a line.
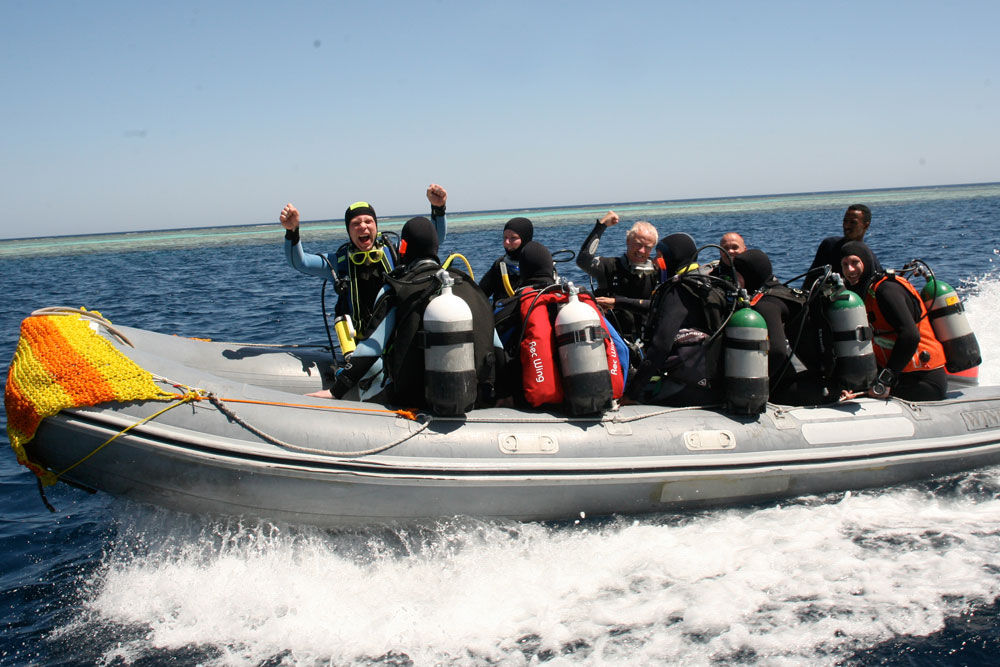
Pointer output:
x,y
357,285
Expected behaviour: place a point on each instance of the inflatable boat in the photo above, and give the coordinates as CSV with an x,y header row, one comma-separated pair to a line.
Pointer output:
x,y
222,428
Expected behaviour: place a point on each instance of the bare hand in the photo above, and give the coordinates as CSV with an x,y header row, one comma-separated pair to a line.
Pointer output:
x,y
610,219
436,195
605,302
289,217
846,395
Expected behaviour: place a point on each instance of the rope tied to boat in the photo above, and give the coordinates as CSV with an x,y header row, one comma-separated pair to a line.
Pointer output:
x,y
220,404
46,477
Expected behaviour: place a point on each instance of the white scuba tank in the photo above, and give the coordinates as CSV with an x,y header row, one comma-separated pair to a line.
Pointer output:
x,y
583,361
449,352
854,358
746,347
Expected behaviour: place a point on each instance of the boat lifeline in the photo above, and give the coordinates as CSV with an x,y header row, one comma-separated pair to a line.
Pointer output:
x,y
225,428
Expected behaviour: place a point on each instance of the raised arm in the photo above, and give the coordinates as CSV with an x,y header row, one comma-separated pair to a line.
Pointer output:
x,y
438,197
307,263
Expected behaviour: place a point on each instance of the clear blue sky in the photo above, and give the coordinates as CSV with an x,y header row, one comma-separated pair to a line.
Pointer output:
x,y
149,115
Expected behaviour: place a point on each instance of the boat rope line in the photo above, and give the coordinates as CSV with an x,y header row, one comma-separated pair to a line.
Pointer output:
x,y
219,403
195,395
182,399
92,315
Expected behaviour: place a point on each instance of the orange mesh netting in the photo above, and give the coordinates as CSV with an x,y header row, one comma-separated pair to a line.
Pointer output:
x,y
61,362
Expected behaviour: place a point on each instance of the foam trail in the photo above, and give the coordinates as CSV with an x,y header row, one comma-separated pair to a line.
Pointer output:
x,y
983,310
812,580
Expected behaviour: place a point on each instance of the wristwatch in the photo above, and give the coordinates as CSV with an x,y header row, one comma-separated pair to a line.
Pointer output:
x,y
885,380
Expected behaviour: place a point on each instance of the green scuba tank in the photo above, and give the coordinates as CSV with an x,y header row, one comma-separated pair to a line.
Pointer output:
x,y
951,327
854,358
746,346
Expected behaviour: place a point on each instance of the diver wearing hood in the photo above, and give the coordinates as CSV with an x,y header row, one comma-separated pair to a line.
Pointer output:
x,y
506,271
625,283
910,357
388,365
537,273
525,324
683,361
789,332
359,266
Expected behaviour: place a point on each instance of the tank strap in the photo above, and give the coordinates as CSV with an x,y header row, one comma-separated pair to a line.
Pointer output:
x,y
426,339
742,344
953,309
586,335
860,334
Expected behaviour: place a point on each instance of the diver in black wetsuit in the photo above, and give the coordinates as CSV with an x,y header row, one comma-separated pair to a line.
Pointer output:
x,y
516,233
625,283
910,356
786,312
683,363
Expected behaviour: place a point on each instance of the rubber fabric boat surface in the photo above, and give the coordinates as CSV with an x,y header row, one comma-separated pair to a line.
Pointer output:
x,y
230,432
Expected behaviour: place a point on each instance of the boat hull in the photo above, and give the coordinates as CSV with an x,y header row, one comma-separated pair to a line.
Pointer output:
x,y
282,456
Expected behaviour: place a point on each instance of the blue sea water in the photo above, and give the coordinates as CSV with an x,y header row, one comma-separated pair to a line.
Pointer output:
x,y
907,575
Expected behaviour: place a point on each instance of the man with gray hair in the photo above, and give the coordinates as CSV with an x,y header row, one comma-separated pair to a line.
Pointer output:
x,y
625,283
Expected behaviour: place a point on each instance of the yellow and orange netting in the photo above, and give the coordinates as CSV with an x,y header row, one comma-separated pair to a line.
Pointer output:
x,y
61,362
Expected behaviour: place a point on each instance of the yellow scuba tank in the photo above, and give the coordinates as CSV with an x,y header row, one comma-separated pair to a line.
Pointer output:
x,y
449,353
583,361
345,334
746,346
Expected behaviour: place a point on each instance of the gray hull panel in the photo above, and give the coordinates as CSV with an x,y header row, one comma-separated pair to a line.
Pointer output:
x,y
332,463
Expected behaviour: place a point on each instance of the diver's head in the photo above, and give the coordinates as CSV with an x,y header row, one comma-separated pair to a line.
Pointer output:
x,y
676,252
754,267
516,233
418,240
362,225
537,267
857,264
640,241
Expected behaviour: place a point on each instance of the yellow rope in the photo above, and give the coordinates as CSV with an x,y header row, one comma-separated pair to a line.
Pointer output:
x,y
185,398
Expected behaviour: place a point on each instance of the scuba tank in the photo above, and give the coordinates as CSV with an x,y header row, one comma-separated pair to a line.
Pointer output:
x,y
746,346
345,335
951,328
582,358
853,356
449,356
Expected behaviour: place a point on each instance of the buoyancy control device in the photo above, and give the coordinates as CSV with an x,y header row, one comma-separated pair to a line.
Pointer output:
x,y
449,353
583,360
854,363
745,362
948,321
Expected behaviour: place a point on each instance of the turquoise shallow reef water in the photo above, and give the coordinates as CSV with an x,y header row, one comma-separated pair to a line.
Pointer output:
x,y
908,574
